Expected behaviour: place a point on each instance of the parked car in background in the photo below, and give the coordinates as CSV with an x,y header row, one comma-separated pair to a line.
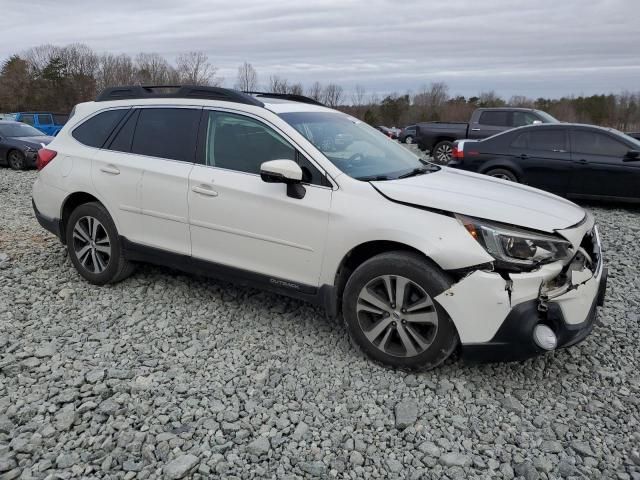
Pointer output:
x,y
47,122
571,160
19,144
256,189
389,132
408,134
438,137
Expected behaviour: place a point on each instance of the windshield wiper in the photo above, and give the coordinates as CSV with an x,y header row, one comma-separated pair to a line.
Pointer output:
x,y
415,171
374,178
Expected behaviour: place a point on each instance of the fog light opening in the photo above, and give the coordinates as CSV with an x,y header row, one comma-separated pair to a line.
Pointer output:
x,y
545,337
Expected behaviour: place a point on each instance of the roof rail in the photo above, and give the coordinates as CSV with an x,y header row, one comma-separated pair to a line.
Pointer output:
x,y
177,91
287,96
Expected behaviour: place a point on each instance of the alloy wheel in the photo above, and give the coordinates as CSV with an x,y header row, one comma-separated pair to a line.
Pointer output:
x,y
443,154
91,244
397,316
502,176
409,140
16,160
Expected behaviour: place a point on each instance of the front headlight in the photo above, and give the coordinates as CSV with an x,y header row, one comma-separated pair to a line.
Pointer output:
x,y
517,248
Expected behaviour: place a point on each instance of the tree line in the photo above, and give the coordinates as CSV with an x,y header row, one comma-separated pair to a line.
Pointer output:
x,y
54,78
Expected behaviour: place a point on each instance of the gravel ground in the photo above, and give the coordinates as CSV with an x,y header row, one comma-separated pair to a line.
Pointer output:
x,y
167,375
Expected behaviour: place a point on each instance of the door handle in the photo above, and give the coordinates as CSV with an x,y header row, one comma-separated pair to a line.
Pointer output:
x,y
582,161
559,150
204,190
110,169
475,129
523,156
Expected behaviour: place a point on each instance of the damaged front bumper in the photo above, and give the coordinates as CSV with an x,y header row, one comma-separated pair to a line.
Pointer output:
x,y
496,314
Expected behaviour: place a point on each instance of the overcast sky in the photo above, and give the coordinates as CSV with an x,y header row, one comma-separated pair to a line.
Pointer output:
x,y
533,48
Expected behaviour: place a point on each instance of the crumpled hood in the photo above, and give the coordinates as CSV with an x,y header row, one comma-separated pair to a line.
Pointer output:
x,y
485,197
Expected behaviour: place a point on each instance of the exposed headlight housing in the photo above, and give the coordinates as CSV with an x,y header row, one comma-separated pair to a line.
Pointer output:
x,y
517,248
30,149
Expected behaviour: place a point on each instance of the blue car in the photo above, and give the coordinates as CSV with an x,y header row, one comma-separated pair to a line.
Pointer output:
x,y
47,122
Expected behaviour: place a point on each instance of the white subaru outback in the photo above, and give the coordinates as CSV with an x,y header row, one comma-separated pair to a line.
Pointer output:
x,y
279,192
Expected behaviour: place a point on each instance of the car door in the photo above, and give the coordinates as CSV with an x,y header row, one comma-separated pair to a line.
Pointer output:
x,y
544,158
489,123
164,147
115,176
599,166
238,220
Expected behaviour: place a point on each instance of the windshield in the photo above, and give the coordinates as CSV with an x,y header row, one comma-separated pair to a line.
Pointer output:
x,y
357,149
546,118
19,130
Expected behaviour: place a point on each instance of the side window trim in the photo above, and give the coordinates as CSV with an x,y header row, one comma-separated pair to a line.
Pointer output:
x,y
112,136
202,135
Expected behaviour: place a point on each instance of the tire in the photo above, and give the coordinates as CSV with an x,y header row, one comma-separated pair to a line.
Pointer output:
x,y
408,139
384,335
502,173
441,153
87,244
16,160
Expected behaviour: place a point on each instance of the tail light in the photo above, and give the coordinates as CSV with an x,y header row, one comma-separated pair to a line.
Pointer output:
x,y
459,153
44,157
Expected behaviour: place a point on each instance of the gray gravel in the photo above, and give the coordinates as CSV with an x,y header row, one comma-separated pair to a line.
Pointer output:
x,y
167,375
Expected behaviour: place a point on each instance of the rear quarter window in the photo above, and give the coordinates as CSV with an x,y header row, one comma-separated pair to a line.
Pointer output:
x,y
95,131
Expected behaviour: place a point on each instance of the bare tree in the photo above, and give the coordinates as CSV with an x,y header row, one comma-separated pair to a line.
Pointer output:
x,y
153,69
194,69
490,99
115,70
430,100
332,95
278,84
520,101
296,89
247,78
315,91
39,57
358,96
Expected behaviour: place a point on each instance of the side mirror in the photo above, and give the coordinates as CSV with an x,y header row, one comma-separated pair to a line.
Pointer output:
x,y
632,156
537,122
284,171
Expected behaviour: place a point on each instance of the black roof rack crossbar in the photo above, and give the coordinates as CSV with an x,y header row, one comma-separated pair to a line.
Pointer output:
x,y
177,91
287,96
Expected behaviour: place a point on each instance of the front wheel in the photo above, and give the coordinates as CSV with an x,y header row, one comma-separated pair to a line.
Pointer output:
x,y
16,160
390,313
94,245
408,139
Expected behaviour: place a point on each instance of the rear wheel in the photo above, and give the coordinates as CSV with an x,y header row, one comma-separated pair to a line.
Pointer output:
x,y
16,160
442,152
408,139
94,245
390,313
503,174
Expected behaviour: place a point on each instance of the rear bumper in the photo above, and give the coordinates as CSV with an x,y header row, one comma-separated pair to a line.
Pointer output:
x,y
514,339
53,225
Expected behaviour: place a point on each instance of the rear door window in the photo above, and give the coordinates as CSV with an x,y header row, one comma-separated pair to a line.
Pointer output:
x,y
28,119
95,131
497,119
548,140
122,139
45,120
595,143
169,133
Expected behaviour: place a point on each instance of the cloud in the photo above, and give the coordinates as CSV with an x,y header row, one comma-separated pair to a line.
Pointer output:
x,y
541,48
